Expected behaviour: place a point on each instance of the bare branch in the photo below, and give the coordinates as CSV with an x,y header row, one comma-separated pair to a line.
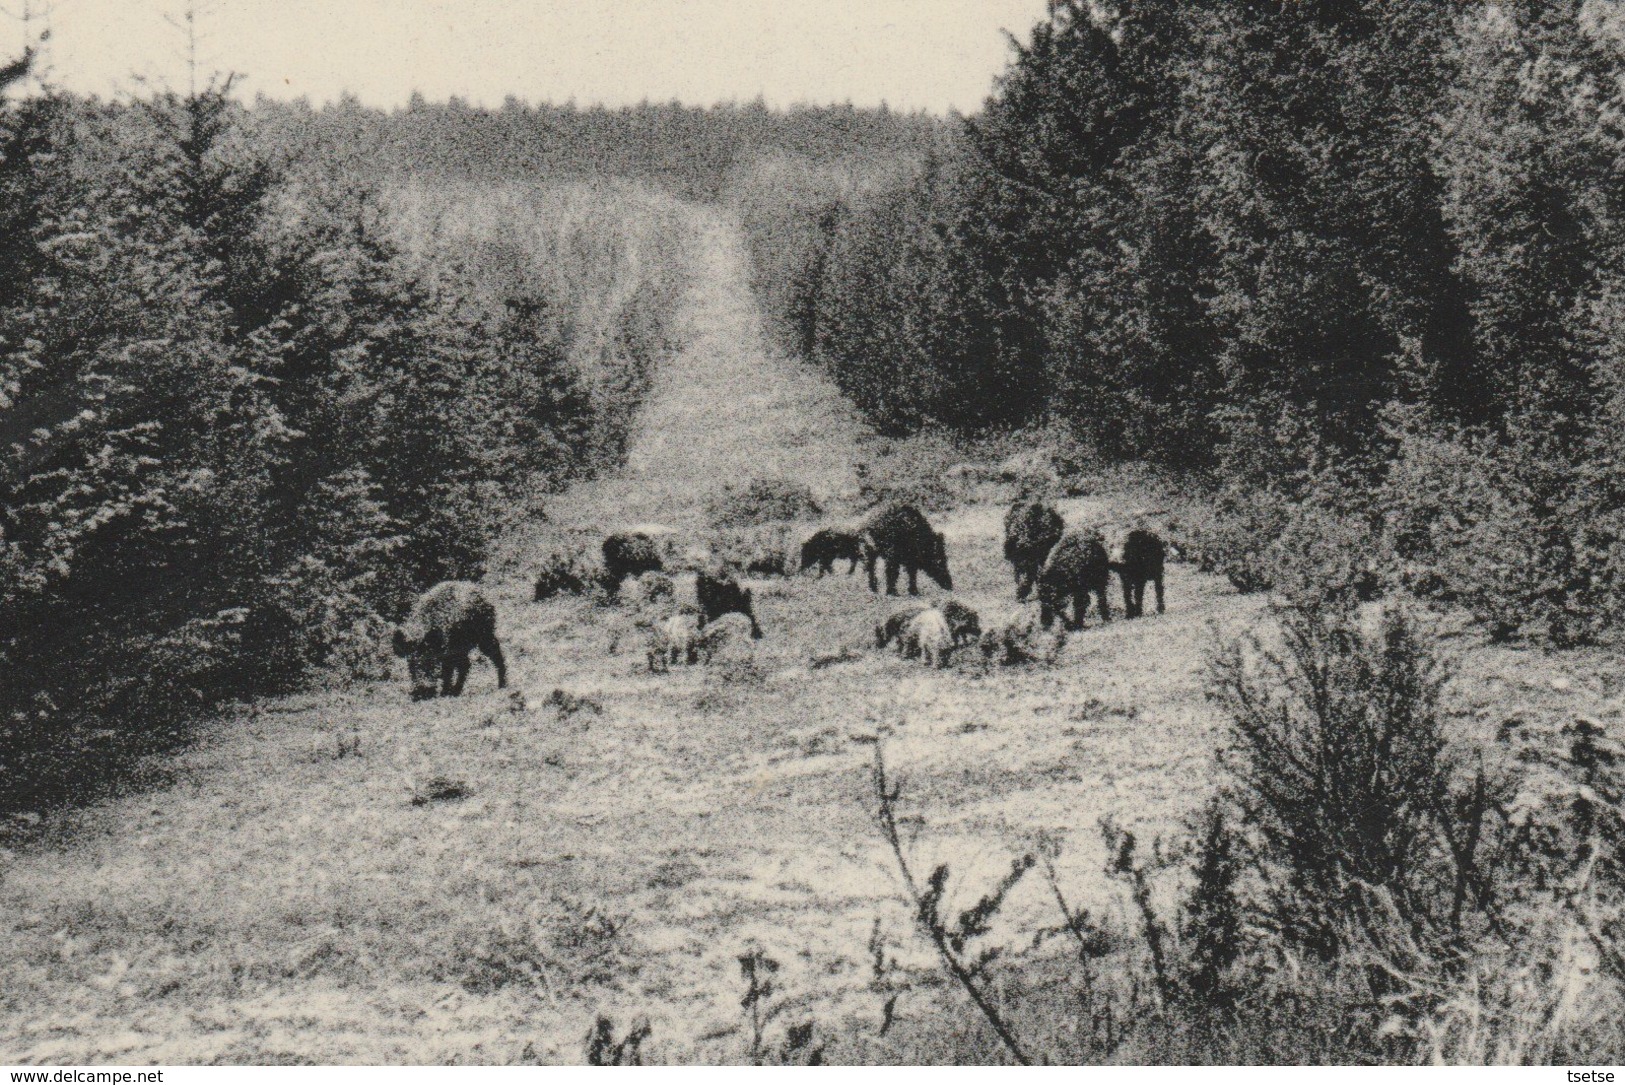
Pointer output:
x,y
926,911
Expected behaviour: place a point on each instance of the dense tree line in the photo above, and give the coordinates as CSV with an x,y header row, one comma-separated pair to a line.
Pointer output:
x,y
1361,257
242,423
691,151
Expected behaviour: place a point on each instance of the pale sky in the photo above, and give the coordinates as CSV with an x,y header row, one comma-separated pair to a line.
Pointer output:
x,y
929,54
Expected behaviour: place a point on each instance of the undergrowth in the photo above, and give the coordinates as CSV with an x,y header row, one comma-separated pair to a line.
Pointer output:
x,y
1359,889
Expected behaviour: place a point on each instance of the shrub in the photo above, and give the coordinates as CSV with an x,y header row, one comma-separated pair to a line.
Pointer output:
x,y
1502,531
765,501
1267,541
912,470
768,550
1234,539
544,943
569,571
1338,766
1211,930
603,1049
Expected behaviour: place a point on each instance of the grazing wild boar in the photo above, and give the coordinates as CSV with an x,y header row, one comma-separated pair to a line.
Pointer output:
x,y
675,640
827,546
1016,640
728,636
1031,530
965,623
446,623
1142,560
720,595
892,628
900,535
629,553
928,636
1077,568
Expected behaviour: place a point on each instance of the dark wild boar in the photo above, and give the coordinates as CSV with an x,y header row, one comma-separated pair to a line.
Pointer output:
x,y
829,545
447,622
902,537
629,553
719,595
1077,568
964,622
1143,557
1031,530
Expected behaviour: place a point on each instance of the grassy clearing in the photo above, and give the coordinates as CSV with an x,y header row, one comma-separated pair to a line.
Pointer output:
x,y
618,849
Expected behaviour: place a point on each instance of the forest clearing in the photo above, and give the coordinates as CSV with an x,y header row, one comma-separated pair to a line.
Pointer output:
x,y
1303,318
617,852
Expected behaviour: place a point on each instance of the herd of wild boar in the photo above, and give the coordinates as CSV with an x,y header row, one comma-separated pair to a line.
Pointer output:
x,y
1066,568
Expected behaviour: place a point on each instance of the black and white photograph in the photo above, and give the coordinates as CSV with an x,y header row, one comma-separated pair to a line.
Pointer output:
x,y
765,533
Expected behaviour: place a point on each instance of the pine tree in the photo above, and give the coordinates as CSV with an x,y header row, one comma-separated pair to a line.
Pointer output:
x,y
1532,157
1318,195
